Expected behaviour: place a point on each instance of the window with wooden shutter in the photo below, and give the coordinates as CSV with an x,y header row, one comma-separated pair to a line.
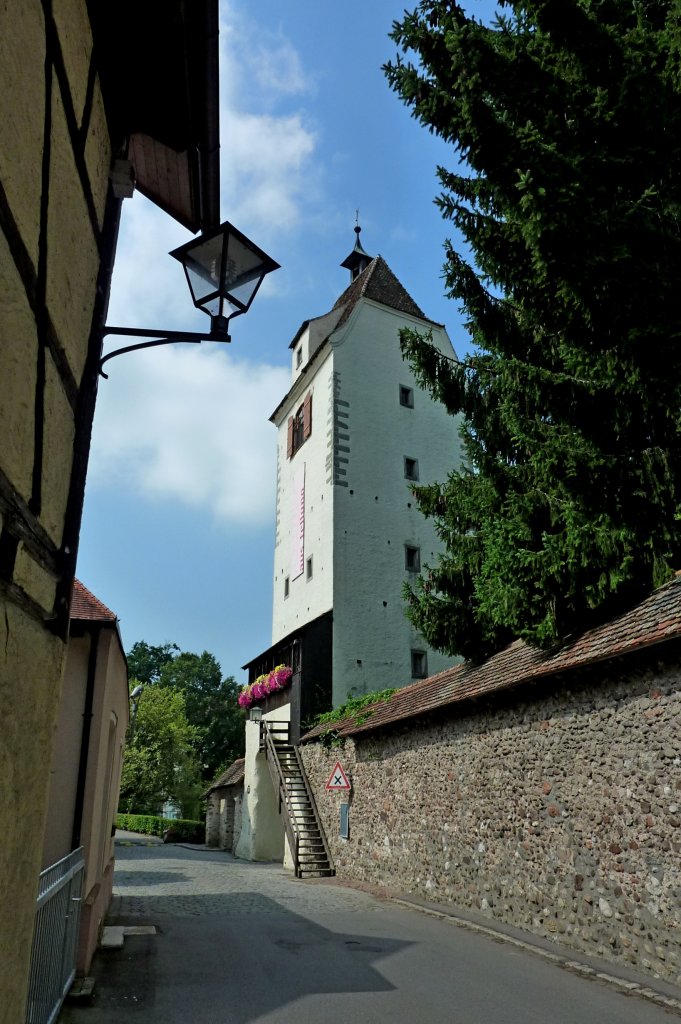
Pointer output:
x,y
289,438
307,416
300,426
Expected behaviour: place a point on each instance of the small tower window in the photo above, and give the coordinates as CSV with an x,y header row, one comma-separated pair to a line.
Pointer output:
x,y
287,586
419,665
411,468
299,427
308,568
412,558
299,356
406,396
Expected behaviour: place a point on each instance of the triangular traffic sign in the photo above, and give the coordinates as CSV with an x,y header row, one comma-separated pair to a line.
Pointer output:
x,y
338,779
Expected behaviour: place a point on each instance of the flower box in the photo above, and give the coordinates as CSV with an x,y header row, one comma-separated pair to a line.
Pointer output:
x,y
271,682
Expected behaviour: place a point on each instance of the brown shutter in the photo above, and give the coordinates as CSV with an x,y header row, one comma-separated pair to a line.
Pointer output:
x,y
307,416
289,438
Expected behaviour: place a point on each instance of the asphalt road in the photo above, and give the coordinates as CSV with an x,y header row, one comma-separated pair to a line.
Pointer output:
x,y
240,943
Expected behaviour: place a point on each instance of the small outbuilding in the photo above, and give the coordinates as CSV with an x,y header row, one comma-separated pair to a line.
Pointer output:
x,y
223,810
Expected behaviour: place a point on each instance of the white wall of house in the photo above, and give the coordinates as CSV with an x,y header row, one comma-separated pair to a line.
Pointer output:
x,y
375,515
310,591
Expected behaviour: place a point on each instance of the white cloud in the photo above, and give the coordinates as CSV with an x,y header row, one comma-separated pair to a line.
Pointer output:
x,y
190,425
149,289
277,68
269,174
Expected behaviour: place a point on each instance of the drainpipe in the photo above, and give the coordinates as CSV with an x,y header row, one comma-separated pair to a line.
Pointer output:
x,y
85,737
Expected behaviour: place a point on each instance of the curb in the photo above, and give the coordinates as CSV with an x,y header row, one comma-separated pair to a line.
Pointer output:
x,y
621,984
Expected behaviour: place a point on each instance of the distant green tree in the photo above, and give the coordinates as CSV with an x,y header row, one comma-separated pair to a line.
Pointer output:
x,y
145,661
212,709
160,762
210,701
567,116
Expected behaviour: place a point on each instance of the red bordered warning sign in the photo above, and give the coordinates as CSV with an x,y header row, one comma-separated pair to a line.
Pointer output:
x,y
338,779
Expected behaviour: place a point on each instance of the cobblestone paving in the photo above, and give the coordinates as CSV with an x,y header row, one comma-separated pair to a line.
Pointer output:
x,y
152,880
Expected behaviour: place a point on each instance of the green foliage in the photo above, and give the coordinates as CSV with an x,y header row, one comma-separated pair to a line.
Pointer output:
x,y
210,701
160,762
152,825
568,118
145,661
360,708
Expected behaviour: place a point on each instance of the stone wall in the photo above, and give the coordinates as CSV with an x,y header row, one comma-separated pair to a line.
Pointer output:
x,y
213,818
556,808
238,805
220,817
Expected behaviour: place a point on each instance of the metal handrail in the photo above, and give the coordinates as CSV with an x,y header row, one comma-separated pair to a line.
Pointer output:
x,y
55,937
313,804
278,779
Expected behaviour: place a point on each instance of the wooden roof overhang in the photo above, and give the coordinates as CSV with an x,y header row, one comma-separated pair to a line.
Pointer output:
x,y
158,64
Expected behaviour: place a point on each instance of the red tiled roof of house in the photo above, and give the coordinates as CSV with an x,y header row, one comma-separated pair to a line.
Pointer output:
x,y
230,777
85,606
656,620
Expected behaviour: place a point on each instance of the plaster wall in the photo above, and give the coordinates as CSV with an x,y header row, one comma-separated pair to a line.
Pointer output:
x,y
54,162
66,746
308,596
359,511
556,809
375,515
261,835
105,761
107,735
30,678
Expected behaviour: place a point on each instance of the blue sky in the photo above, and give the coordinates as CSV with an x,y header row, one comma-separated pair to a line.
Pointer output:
x,y
178,524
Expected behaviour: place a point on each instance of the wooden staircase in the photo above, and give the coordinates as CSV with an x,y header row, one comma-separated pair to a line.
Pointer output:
x,y
311,855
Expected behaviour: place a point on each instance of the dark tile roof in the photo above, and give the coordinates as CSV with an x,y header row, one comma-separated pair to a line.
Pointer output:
x,y
86,607
230,777
378,282
656,620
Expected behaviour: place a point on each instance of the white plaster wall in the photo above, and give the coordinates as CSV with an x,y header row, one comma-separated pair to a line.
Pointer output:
x,y
262,830
375,514
307,598
310,339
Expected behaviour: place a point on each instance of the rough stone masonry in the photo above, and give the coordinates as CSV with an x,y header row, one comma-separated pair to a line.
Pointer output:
x,y
555,807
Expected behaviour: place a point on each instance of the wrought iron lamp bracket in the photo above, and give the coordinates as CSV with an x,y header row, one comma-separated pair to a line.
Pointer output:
x,y
217,332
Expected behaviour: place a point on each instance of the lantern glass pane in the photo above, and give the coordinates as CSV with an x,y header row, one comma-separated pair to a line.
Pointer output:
x,y
244,270
203,264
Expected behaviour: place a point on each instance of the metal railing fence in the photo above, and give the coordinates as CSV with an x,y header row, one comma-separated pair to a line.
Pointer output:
x,y
55,938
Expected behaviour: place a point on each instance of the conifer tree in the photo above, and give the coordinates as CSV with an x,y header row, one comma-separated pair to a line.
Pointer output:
x,y
566,116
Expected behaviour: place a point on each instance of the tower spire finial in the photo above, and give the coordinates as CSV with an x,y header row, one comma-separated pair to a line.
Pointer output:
x,y
358,258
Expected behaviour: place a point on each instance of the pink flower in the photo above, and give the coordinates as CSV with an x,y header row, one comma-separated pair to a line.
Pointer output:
x,y
271,682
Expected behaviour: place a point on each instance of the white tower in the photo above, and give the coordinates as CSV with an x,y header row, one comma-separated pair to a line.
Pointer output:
x,y
354,432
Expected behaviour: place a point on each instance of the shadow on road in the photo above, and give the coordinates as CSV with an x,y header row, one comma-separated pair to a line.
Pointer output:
x,y
228,965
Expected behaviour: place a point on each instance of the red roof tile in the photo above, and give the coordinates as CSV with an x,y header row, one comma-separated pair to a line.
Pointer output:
x,y
85,606
654,621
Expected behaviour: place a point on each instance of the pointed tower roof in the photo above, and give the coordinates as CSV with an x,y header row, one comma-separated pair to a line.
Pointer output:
x,y
379,283
376,282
